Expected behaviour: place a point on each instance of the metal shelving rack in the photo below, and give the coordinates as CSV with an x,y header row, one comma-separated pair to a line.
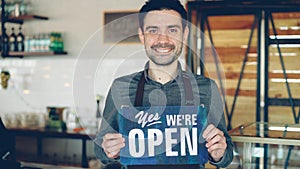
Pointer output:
x,y
261,10
216,8
290,101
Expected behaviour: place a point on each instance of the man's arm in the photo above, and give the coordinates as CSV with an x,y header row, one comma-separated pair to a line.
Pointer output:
x,y
218,139
219,145
109,126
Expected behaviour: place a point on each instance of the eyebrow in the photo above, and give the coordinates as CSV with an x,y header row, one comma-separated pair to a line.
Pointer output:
x,y
174,26
151,27
169,26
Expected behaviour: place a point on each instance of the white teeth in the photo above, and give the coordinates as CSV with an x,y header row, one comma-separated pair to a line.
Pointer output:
x,y
162,50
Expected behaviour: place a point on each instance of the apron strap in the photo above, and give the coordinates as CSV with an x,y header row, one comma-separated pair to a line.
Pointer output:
x,y
139,95
189,97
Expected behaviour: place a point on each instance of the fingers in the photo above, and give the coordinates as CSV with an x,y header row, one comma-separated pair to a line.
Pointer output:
x,y
213,147
216,142
216,139
217,146
112,144
210,132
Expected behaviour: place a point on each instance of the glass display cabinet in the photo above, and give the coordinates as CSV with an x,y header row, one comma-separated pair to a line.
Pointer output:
x,y
267,145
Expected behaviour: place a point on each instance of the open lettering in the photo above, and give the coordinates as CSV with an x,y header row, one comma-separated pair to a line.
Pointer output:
x,y
187,140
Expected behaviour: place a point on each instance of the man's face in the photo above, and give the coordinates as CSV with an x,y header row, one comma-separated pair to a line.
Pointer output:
x,y
163,36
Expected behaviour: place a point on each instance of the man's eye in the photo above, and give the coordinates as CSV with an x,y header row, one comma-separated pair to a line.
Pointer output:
x,y
173,30
153,31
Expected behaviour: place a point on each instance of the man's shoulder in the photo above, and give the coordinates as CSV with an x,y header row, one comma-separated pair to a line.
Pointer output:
x,y
199,78
130,78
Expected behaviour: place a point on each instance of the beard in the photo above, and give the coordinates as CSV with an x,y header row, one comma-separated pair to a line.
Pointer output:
x,y
162,59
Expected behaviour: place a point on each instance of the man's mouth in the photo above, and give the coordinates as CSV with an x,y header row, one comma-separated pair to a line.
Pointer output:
x,y
163,48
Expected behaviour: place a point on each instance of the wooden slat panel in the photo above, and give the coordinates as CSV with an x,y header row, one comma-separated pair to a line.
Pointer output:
x,y
247,84
246,21
285,32
230,54
236,75
244,111
230,67
284,50
242,92
291,63
234,58
232,38
237,54
280,75
281,114
238,50
286,15
229,22
285,22
279,90
230,33
238,38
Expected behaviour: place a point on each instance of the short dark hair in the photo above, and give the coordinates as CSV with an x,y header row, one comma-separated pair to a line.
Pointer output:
x,y
152,5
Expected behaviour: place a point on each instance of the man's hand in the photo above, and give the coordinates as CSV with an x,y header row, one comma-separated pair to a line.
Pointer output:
x,y
112,144
216,142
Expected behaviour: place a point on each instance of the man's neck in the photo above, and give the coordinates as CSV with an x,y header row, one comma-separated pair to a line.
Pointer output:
x,y
162,74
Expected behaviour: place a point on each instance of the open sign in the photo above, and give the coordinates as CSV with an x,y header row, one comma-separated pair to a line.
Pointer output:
x,y
163,135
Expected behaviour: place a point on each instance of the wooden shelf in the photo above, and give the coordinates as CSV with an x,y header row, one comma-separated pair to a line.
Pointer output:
x,y
21,19
28,17
22,54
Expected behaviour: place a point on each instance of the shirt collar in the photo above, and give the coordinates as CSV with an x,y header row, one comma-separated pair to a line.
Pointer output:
x,y
179,72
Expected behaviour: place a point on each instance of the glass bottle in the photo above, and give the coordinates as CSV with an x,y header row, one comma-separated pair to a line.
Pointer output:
x,y
20,41
12,40
60,43
5,47
54,45
1,45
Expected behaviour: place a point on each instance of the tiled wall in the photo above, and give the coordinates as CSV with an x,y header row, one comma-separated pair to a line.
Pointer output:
x,y
40,81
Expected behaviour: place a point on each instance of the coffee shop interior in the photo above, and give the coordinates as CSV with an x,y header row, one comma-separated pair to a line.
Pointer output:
x,y
59,58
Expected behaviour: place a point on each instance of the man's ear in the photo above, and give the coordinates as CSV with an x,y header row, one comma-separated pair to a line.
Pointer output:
x,y
186,34
141,35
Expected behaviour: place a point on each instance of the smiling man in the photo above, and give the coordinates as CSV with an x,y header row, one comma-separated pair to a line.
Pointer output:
x,y
163,32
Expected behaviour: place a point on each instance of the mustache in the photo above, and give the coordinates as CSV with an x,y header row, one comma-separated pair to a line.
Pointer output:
x,y
163,45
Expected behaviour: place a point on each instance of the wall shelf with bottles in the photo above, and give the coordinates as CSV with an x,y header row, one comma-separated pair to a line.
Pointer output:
x,y
23,54
22,18
55,48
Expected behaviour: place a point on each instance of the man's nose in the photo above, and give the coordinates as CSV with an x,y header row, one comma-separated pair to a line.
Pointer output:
x,y
163,37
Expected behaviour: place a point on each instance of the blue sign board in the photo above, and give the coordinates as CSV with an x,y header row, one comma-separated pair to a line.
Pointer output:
x,y
163,135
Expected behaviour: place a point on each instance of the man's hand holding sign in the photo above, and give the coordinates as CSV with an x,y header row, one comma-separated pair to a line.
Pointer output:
x,y
161,135
216,143
112,144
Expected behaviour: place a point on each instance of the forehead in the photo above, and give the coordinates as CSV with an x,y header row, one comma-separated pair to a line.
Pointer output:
x,y
162,18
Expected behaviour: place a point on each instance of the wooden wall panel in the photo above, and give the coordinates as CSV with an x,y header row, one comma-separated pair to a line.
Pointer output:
x,y
281,114
244,110
250,67
230,37
279,90
246,84
291,63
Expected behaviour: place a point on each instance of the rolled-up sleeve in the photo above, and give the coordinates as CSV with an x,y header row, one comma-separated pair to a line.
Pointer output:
x,y
108,125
